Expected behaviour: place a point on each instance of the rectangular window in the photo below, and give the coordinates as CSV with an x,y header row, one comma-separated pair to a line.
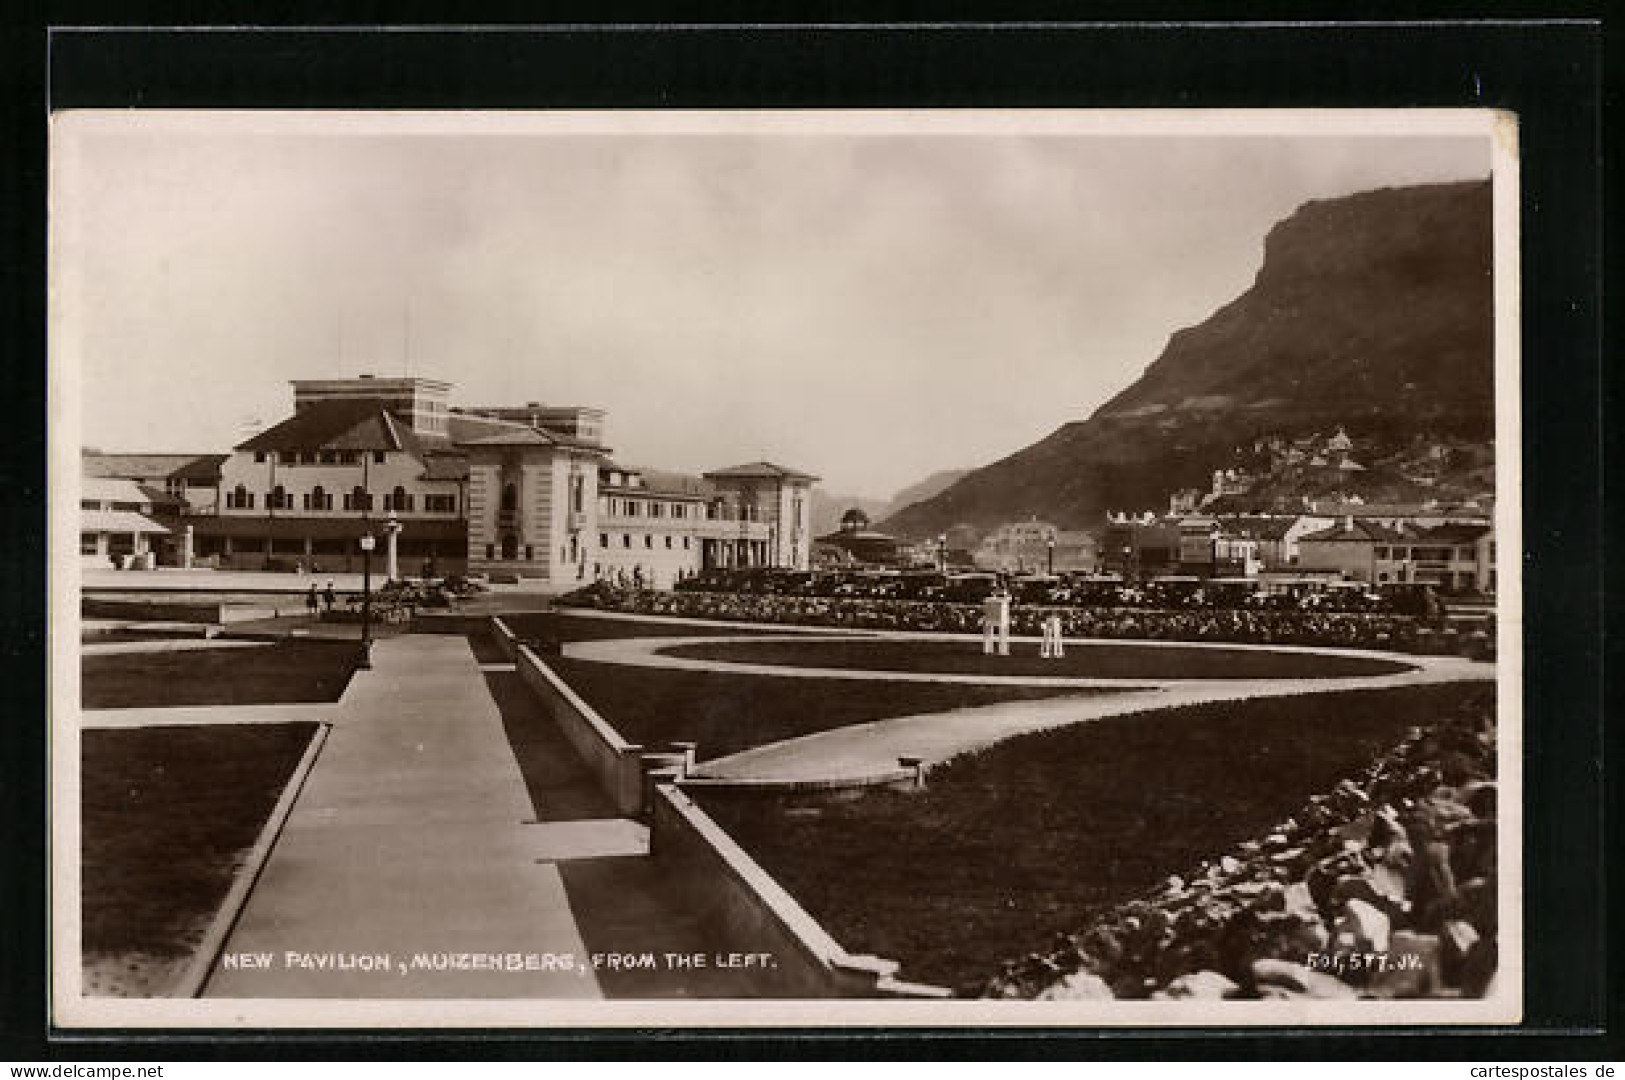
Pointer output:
x,y
648,541
440,504
603,540
345,457
668,542
259,456
490,551
87,543
1382,552
377,457
685,543
530,553
626,540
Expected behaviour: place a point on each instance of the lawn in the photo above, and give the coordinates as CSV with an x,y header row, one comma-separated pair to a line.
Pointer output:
x,y
168,814
1006,848
727,713
1104,661
292,670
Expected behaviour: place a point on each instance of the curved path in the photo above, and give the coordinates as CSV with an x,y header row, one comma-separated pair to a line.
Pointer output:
x,y
870,751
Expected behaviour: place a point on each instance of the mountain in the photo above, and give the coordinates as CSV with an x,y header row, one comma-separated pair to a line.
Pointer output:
x,y
828,508
1373,312
932,485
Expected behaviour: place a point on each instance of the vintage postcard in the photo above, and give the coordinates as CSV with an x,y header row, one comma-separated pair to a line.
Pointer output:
x,y
1051,568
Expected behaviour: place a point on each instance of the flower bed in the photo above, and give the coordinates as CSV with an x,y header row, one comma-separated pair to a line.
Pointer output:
x,y
1348,630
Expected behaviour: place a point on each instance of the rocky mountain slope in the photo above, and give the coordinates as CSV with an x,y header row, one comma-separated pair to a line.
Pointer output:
x,y
1373,312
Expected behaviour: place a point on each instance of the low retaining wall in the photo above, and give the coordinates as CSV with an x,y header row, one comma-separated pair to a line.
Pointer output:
x,y
797,793
617,764
727,887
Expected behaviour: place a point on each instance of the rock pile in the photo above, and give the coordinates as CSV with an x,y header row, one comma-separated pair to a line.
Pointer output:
x,y
1384,887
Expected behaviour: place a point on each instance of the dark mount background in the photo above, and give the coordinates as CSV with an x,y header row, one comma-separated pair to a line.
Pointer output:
x,y
1549,72
1373,311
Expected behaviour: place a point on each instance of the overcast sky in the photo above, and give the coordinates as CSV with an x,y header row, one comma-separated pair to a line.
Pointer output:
x,y
867,300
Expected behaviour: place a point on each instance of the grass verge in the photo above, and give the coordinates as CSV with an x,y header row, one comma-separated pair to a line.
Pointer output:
x,y
1100,661
168,813
1006,848
727,713
285,671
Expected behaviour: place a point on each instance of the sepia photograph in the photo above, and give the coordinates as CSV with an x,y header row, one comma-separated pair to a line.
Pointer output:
x,y
801,568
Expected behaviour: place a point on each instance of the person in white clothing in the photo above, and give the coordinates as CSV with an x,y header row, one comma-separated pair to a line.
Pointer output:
x,y
1052,647
996,624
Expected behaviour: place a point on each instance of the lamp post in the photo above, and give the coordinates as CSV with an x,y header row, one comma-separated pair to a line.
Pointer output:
x,y
368,542
1050,545
942,552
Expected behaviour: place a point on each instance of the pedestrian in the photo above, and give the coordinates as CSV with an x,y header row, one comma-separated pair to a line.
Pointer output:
x,y
311,603
1052,647
329,595
996,623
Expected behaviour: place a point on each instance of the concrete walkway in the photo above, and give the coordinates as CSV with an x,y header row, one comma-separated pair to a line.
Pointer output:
x,y
450,844
408,861
863,751
152,645
207,714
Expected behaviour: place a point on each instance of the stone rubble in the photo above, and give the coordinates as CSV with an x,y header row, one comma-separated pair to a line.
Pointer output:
x,y
1384,887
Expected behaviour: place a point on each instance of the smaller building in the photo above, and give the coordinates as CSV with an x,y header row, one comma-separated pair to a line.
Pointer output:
x,y
1451,557
119,526
861,545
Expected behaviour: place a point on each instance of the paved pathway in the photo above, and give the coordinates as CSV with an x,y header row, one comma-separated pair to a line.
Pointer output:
x,y
207,714
448,826
410,839
863,751
150,645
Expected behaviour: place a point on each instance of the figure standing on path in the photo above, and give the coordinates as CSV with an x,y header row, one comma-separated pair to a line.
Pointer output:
x,y
329,595
311,603
1052,647
996,623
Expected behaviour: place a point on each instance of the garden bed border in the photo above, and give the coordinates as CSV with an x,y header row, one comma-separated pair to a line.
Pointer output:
x,y
731,888
201,969
617,764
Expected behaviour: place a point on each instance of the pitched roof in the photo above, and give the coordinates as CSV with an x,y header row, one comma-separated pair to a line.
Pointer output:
x,y
673,483
113,489
1359,530
762,470
1258,528
468,429
118,521
445,465
152,466
1454,533
336,424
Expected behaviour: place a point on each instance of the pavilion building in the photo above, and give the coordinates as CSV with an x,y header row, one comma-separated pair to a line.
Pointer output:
x,y
514,491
